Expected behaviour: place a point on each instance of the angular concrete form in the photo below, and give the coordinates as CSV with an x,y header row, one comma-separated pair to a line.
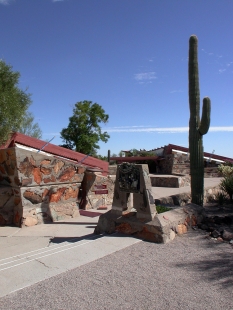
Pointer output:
x,y
134,212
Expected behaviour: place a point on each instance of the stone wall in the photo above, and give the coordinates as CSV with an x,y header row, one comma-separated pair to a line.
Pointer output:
x,y
174,164
112,169
165,165
170,181
211,172
210,195
91,183
9,198
36,188
181,164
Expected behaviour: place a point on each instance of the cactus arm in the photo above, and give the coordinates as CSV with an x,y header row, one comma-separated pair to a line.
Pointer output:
x,y
205,119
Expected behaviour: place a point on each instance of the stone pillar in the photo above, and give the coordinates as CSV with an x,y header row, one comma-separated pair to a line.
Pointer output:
x,y
131,178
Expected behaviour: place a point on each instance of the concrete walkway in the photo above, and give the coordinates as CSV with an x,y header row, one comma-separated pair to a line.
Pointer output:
x,y
30,255
189,273
159,192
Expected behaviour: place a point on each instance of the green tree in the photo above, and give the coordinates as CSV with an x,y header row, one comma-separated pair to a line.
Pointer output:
x,y
84,132
28,127
133,152
14,102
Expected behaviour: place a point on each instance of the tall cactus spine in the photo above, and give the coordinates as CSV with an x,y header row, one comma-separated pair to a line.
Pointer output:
x,y
197,127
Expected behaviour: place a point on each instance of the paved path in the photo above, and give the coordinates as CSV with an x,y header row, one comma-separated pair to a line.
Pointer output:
x,y
159,192
33,254
189,273
33,257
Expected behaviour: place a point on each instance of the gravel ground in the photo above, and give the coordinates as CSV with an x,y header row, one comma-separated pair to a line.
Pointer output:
x,y
191,272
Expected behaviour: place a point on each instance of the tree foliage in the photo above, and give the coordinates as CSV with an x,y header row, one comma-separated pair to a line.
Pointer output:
x,y
28,127
14,102
84,132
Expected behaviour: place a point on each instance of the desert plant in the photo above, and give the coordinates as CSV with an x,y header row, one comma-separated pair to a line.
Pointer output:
x,y
197,127
221,198
226,169
161,209
226,185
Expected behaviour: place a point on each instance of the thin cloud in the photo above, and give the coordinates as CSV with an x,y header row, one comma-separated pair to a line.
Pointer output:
x,y
163,130
225,69
208,53
226,128
176,91
57,0
5,2
148,129
120,127
145,76
226,65
221,70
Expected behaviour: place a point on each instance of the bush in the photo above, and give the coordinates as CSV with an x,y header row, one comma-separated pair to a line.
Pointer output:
x,y
226,185
161,209
226,169
221,197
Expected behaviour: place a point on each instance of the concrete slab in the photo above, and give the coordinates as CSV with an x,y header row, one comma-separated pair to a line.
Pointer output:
x,y
32,254
17,272
159,192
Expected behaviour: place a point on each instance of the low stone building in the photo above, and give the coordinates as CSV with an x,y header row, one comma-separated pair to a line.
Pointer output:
x,y
173,159
40,186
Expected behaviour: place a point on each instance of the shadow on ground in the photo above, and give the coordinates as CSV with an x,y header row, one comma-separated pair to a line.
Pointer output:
x,y
74,239
217,262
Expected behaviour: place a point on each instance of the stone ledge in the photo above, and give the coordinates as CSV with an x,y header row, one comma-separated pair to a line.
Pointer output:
x,y
174,181
210,195
162,229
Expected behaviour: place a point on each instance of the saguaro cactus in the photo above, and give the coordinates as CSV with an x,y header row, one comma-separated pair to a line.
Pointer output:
x,y
197,128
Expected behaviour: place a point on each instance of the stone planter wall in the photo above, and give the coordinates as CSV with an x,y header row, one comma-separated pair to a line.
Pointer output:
x,y
91,182
211,172
165,165
170,181
112,169
36,188
210,195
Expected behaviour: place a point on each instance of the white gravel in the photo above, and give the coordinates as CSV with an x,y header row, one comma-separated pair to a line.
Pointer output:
x,y
191,272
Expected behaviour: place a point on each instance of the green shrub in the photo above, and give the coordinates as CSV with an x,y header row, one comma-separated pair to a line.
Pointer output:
x,y
226,169
221,197
226,185
161,209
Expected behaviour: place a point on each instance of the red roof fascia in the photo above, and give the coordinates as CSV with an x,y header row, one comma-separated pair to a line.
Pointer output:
x,y
135,158
171,147
55,150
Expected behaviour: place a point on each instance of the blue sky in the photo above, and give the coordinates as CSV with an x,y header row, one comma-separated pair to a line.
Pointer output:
x,y
131,57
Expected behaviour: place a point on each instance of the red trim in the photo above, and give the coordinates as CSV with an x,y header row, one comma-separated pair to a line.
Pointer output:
x,y
55,150
170,147
134,158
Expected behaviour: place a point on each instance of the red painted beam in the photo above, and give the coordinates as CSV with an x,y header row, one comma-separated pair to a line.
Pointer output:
x,y
135,158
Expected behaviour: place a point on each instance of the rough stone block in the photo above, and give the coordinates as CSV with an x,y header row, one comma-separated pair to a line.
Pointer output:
x,y
30,221
161,229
